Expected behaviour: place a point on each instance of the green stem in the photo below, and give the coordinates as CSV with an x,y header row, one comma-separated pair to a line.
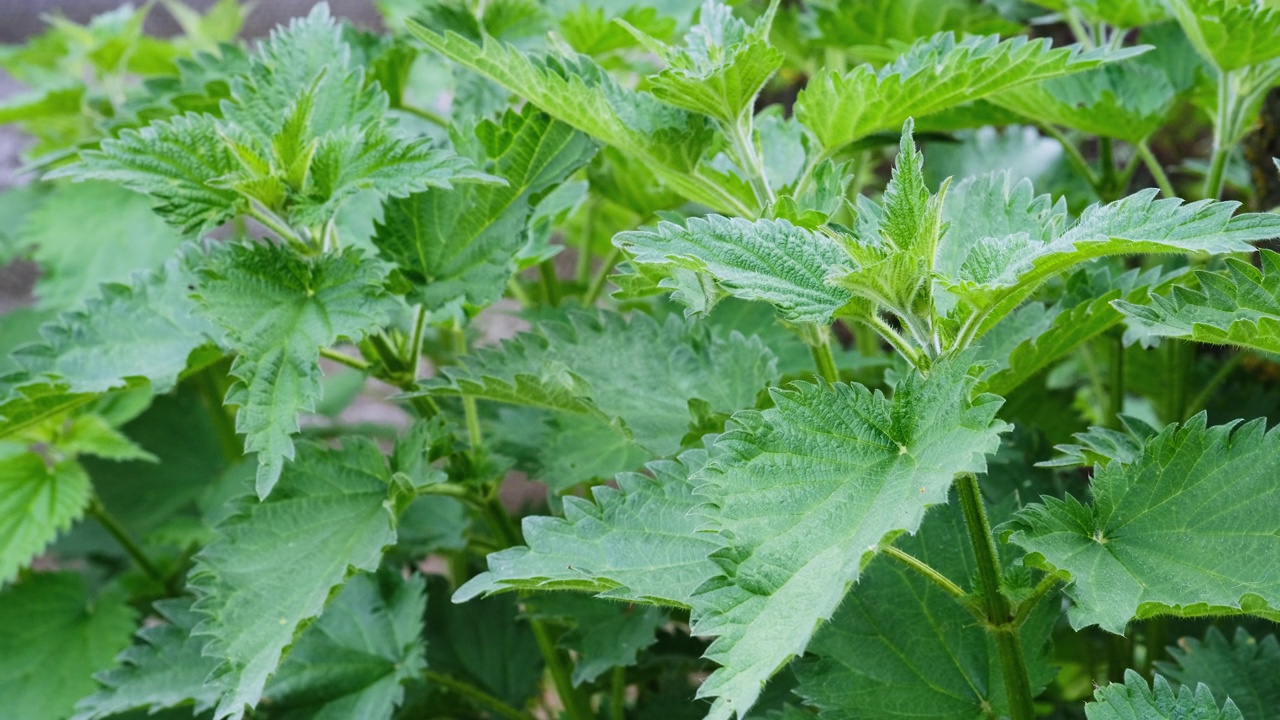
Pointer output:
x,y
475,694
98,511
1224,371
430,116
1042,589
1107,162
278,226
823,358
1217,173
224,425
344,359
573,701
415,342
1115,386
1157,172
598,280
468,401
518,292
897,341
550,282
929,573
1213,182
1073,155
1013,665
618,694
745,148
1181,356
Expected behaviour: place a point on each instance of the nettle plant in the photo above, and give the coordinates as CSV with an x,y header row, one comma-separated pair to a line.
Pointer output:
x,y
798,463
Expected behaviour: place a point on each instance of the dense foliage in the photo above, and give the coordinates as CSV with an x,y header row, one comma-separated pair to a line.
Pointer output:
x,y
855,358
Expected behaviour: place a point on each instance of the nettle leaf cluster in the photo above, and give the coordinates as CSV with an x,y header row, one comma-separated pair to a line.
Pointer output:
x,y
857,358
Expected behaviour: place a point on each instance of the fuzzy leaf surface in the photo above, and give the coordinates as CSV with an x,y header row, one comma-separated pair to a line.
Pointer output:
x,y
933,74
802,492
770,260
274,564
602,634
1125,101
351,663
167,669
53,636
36,503
900,648
462,242
1244,668
1240,306
637,543
278,310
1231,34
1135,700
1187,528
642,372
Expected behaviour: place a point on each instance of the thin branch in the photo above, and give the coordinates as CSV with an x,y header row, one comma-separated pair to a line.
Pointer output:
x,y
476,694
344,359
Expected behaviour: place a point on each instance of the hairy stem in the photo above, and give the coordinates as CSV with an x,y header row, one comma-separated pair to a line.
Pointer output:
x,y
1013,665
744,146
98,511
344,359
598,280
550,282
476,695
927,571
574,704
1115,385
430,116
618,694
823,358
1157,172
224,425
468,402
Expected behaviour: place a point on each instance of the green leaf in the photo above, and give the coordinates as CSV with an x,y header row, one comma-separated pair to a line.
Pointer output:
x,y
174,161
1231,34
1099,446
880,29
167,669
1033,337
1184,529
462,242
279,310
328,514
867,467
642,372
574,90
484,642
127,236
930,76
603,634
1240,306
1134,700
1244,669
1118,13
53,636
770,260
899,647
996,272
638,542
353,661
36,503
1128,101
721,67
148,329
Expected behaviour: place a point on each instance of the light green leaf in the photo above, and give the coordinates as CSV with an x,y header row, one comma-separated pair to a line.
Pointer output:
x,y
1231,34
603,634
878,30
36,503
53,636
770,260
1035,336
1244,669
167,669
462,242
148,329
328,514
1134,700
801,493
996,273
1128,101
353,661
1240,306
279,310
900,648
1118,13
1186,528
1099,446
576,91
174,161
930,76
642,373
721,67
638,542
